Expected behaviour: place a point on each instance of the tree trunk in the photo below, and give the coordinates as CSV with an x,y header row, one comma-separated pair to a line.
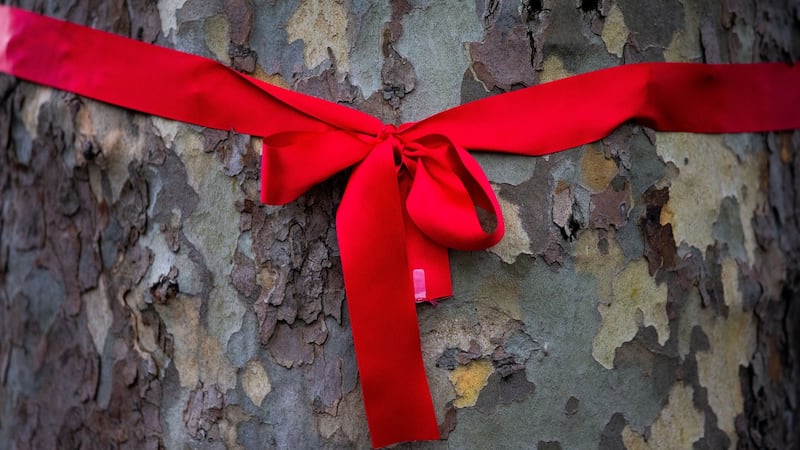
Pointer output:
x,y
645,294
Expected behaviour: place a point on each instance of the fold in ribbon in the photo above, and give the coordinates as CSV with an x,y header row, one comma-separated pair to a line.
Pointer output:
x,y
415,191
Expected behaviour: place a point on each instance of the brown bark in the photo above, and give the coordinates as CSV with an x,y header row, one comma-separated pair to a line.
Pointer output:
x,y
646,294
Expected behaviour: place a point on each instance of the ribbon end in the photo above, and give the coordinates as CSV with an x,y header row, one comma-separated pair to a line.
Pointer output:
x,y
420,290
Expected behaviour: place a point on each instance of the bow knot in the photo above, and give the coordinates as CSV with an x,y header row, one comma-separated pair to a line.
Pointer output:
x,y
387,132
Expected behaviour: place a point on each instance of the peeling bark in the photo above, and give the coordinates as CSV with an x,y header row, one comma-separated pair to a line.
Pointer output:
x,y
645,296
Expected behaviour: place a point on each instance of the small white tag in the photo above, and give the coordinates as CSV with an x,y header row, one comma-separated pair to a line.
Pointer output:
x,y
418,276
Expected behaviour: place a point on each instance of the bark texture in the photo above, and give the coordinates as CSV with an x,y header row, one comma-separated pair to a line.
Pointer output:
x,y
645,296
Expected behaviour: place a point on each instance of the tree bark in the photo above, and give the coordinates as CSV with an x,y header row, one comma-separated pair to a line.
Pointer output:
x,y
645,295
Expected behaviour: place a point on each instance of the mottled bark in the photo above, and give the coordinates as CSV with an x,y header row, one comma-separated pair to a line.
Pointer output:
x,y
645,296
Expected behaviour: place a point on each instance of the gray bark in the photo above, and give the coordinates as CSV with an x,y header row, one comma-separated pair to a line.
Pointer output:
x,y
645,296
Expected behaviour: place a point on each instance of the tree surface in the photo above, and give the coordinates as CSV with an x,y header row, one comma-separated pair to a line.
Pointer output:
x,y
645,294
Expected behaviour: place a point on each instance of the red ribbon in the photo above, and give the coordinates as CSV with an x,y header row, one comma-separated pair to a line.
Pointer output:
x,y
415,189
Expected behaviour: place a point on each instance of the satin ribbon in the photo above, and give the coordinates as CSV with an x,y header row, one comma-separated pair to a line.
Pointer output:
x,y
415,190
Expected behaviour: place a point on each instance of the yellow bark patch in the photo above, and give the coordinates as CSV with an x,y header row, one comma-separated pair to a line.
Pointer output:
x,y
515,240
468,380
597,171
615,33
732,341
553,69
321,25
198,356
708,172
228,426
275,79
683,46
217,31
677,426
636,301
255,382
182,320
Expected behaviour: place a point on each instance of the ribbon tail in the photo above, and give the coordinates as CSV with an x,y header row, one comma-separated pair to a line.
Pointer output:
x,y
428,261
380,299
702,98
160,81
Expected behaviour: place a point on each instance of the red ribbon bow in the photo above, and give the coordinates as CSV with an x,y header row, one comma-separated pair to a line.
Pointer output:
x,y
410,198
415,191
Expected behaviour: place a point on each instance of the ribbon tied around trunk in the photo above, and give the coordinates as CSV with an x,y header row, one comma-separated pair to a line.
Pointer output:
x,y
446,199
414,191
408,200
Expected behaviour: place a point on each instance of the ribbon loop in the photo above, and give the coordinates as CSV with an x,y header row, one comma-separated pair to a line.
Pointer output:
x,y
447,192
